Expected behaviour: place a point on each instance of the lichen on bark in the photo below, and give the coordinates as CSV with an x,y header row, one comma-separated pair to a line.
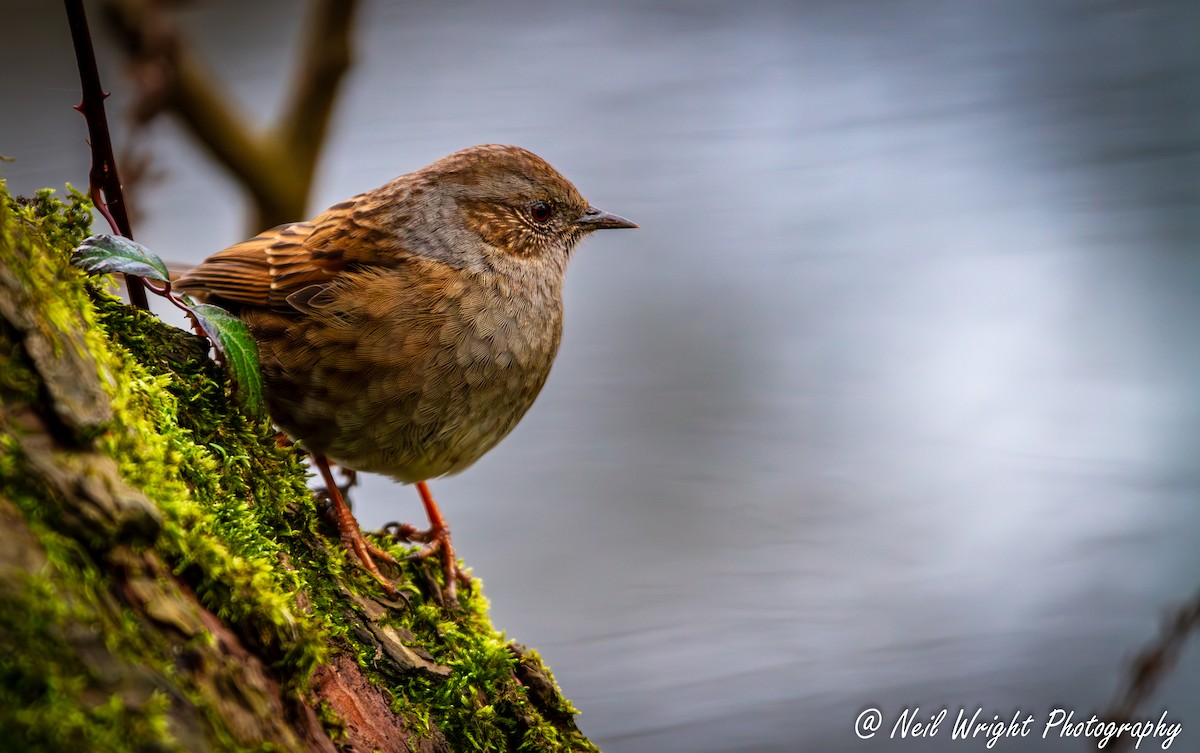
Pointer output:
x,y
167,580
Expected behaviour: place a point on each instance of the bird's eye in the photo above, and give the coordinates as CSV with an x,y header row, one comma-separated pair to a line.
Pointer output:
x,y
540,211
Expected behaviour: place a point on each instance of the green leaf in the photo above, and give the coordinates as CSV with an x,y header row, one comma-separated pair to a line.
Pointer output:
x,y
109,254
233,342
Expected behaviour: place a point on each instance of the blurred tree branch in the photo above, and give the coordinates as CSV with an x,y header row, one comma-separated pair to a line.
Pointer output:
x,y
1152,666
274,164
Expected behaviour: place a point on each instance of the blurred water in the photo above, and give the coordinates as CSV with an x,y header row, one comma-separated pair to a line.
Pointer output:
x,y
892,401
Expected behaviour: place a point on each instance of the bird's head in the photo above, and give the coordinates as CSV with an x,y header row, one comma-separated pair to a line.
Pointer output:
x,y
517,203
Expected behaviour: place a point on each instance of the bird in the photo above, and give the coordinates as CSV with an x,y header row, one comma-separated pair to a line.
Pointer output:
x,y
406,331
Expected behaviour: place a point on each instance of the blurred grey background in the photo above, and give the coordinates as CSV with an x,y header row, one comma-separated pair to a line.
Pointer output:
x,y
894,400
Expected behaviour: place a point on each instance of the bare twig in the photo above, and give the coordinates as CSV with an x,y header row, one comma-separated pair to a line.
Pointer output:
x,y
276,164
104,184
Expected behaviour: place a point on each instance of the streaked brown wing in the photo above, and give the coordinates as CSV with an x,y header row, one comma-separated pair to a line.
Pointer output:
x,y
273,265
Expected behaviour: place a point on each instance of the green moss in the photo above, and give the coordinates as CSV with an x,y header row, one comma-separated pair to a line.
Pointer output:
x,y
233,501
61,224
48,699
239,526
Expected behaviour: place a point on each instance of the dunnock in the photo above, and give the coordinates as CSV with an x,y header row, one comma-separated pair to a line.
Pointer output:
x,y
407,330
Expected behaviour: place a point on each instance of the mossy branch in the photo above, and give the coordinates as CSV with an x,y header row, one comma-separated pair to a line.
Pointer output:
x,y
167,580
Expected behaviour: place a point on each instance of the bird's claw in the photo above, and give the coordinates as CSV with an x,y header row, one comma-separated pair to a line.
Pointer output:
x,y
367,553
438,541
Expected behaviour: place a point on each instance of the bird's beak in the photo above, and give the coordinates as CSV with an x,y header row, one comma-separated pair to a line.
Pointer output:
x,y
594,219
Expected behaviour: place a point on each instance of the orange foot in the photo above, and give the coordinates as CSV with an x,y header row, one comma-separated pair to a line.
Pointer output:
x,y
352,537
437,536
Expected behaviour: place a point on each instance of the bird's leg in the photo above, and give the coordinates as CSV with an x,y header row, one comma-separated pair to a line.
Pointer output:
x,y
352,536
350,477
438,539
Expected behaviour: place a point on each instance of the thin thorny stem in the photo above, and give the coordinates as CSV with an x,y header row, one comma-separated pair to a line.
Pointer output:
x,y
105,185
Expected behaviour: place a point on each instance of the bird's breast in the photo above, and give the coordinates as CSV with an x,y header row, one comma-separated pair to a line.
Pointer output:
x,y
415,382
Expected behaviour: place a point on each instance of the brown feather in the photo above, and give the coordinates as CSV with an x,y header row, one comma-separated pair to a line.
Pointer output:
x,y
408,329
